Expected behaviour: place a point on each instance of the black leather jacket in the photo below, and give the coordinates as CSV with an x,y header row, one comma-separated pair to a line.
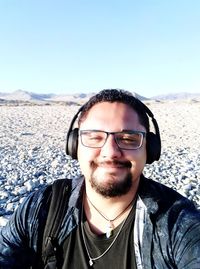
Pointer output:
x,y
166,232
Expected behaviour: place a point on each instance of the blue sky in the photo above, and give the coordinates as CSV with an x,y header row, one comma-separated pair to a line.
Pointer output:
x,y
150,47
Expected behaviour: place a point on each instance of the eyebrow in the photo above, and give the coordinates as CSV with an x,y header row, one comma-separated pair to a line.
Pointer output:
x,y
132,130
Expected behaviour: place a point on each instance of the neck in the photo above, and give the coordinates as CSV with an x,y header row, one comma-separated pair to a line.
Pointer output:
x,y
102,212
112,205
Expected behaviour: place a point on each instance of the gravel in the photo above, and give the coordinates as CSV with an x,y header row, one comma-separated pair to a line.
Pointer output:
x,y
32,150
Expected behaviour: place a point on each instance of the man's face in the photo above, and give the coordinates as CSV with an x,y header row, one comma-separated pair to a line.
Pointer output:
x,y
109,170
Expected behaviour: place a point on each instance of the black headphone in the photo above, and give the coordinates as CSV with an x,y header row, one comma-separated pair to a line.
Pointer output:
x,y
153,144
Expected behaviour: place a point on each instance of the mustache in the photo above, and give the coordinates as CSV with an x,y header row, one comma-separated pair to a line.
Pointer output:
x,y
126,164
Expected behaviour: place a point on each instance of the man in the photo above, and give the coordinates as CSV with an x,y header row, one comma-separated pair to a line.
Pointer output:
x,y
113,216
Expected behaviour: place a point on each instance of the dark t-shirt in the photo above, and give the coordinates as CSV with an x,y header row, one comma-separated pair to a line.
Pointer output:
x,y
119,256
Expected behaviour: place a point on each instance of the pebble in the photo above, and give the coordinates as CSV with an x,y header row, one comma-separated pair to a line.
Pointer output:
x,y
32,150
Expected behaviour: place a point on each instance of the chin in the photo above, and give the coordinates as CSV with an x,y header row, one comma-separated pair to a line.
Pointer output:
x,y
111,186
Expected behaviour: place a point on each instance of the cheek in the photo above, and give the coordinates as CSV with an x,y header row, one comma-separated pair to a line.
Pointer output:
x,y
85,157
138,159
85,154
82,159
81,153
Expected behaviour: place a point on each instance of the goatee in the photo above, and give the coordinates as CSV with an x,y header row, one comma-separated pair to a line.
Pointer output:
x,y
114,189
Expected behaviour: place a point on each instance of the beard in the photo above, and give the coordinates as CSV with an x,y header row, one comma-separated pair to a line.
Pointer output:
x,y
114,187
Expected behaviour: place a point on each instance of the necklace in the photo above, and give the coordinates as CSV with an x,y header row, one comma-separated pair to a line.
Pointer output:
x,y
110,226
91,260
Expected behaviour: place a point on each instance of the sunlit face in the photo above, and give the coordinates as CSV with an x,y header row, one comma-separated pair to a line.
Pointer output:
x,y
110,170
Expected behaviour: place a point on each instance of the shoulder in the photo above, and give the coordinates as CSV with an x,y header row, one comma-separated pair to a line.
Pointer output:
x,y
25,217
158,197
26,226
174,220
40,200
169,210
21,231
35,200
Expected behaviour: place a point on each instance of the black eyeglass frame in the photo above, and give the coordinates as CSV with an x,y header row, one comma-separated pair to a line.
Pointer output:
x,y
142,133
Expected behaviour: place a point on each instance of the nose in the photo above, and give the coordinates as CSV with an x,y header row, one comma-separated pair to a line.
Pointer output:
x,y
110,148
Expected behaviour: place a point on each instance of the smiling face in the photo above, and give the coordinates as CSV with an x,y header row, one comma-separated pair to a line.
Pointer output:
x,y
109,170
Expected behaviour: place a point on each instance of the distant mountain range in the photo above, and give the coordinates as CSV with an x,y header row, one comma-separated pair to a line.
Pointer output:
x,y
26,96
177,96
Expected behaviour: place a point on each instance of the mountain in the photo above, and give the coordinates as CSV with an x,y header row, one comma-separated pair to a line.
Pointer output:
x,y
25,96
81,98
78,97
177,96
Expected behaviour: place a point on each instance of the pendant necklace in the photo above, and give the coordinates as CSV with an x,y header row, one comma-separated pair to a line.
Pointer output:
x,y
109,228
91,260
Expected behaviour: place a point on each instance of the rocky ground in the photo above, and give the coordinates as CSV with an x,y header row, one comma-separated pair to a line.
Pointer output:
x,y
32,149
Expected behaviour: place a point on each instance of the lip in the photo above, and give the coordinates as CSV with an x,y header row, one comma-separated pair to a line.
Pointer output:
x,y
114,165
111,166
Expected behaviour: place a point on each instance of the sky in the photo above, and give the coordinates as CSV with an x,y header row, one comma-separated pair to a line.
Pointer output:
x,y
151,47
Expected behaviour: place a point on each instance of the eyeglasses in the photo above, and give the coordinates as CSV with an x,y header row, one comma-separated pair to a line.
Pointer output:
x,y
125,140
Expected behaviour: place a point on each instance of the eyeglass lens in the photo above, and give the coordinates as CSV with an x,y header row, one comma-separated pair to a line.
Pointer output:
x,y
125,140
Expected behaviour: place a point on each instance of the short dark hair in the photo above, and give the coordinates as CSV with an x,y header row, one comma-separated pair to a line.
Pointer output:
x,y
117,95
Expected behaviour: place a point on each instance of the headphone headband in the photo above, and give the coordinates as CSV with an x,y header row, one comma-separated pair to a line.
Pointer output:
x,y
153,139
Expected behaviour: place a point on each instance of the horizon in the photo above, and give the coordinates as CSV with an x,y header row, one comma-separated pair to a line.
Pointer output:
x,y
95,91
74,47
165,95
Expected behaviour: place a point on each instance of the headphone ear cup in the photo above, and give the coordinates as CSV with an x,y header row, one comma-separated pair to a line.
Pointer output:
x,y
153,146
72,143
